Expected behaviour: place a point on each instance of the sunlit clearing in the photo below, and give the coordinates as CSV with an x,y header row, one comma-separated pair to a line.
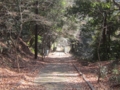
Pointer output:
x,y
59,55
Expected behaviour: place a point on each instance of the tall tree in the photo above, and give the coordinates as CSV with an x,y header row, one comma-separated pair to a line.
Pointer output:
x,y
36,33
101,18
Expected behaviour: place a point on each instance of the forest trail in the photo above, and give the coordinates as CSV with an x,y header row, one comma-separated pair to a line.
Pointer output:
x,y
59,74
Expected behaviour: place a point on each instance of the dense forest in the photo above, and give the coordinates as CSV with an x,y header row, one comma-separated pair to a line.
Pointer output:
x,y
89,29
91,26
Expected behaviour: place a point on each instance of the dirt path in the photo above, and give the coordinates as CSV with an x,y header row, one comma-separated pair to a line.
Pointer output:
x,y
59,74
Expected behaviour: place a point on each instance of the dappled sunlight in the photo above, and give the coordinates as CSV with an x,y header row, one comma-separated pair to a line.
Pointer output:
x,y
56,77
59,74
59,55
62,74
59,58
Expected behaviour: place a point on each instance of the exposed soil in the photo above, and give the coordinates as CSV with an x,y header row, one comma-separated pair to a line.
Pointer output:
x,y
91,74
60,74
11,79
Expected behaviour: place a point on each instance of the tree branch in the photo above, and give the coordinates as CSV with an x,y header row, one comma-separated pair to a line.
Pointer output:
x,y
118,5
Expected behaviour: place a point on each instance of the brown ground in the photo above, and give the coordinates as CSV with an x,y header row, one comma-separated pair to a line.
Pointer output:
x,y
91,74
10,79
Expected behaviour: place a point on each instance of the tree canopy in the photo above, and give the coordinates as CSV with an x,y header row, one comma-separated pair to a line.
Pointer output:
x,y
91,25
102,21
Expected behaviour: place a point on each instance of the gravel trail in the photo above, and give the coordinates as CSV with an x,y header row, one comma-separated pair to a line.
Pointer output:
x,y
59,74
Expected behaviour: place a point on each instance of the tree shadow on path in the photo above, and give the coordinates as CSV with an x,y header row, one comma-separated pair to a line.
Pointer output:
x,y
59,74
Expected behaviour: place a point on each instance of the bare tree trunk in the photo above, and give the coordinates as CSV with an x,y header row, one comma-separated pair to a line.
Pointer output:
x,y
103,39
36,33
108,49
104,34
21,27
99,64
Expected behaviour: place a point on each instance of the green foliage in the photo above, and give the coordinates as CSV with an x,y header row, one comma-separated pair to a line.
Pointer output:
x,y
101,16
103,72
115,75
32,50
18,19
115,79
115,71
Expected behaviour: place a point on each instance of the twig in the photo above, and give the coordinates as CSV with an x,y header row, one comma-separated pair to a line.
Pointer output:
x,y
118,5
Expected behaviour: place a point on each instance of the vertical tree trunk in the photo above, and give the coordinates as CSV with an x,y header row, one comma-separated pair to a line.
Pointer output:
x,y
36,32
36,39
108,49
104,36
104,28
21,27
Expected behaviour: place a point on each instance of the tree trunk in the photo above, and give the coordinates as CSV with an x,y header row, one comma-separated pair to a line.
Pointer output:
x,y
108,49
36,33
104,35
